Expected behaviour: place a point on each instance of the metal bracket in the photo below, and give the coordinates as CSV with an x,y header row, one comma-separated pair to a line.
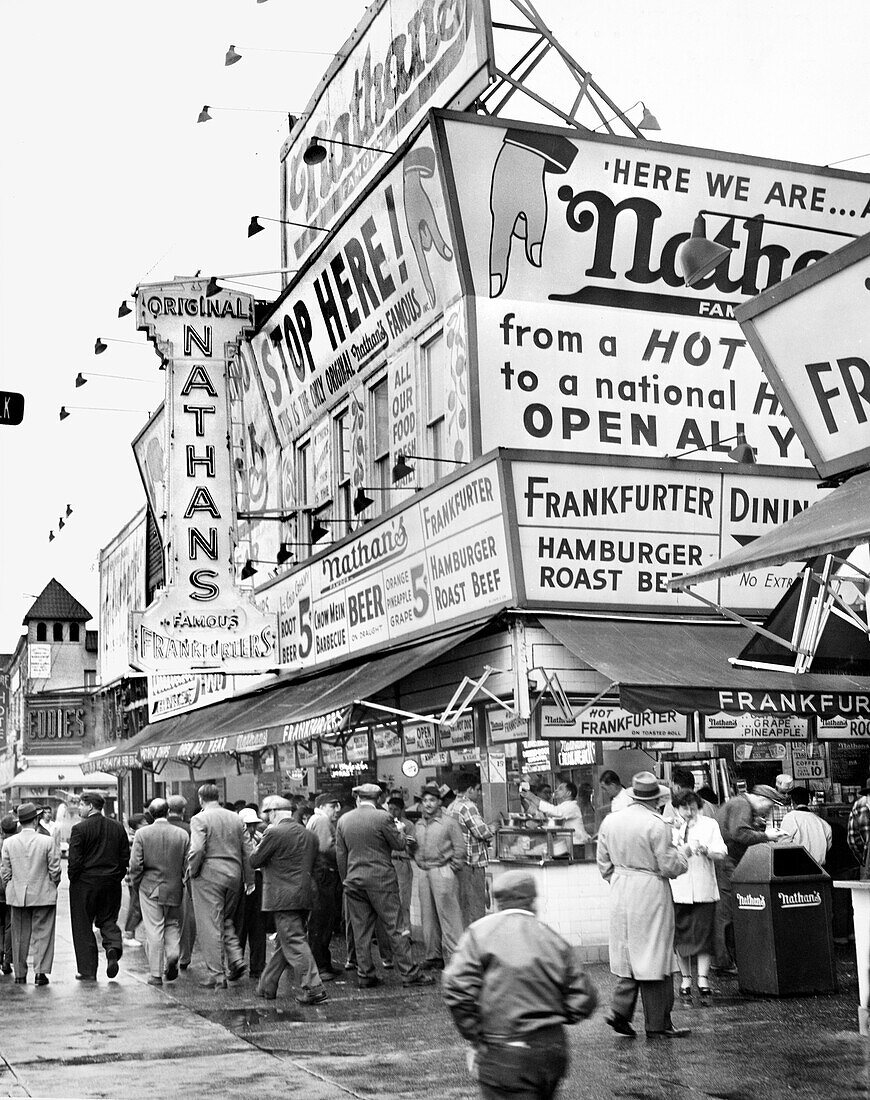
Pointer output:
x,y
553,684
467,692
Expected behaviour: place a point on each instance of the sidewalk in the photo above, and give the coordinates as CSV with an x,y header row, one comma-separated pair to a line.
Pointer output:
x,y
126,1039
123,1038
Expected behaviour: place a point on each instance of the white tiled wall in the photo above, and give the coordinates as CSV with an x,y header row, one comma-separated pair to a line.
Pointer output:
x,y
573,900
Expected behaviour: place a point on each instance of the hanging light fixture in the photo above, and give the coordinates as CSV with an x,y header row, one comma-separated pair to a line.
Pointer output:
x,y
285,554
649,120
361,501
204,116
232,56
248,570
315,153
401,469
60,524
80,380
212,287
254,226
63,413
698,256
51,536
64,410
123,309
68,511
741,452
99,347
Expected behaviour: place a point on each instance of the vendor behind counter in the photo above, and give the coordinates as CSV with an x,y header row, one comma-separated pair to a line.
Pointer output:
x,y
564,808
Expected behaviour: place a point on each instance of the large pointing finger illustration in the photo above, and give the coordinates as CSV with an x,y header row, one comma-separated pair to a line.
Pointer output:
x,y
518,197
423,227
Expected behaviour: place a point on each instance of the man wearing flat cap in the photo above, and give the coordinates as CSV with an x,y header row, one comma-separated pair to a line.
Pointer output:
x,y
511,986
365,839
637,856
99,851
30,870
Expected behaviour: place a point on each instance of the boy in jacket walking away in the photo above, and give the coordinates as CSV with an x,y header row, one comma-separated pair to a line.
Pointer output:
x,y
511,986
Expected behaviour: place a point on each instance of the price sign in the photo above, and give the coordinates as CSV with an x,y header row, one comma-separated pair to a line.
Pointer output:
x,y
806,766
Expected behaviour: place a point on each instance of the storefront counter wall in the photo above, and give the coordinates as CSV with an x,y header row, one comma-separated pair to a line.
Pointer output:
x,y
573,899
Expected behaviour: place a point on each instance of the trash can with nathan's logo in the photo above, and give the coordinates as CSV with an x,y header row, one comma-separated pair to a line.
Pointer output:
x,y
782,922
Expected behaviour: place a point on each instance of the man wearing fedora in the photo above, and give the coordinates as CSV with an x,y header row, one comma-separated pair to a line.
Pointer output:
x,y
637,856
365,839
511,986
99,852
30,869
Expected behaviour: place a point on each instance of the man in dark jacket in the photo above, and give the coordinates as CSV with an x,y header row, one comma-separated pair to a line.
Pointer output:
x,y
96,864
365,839
511,986
286,855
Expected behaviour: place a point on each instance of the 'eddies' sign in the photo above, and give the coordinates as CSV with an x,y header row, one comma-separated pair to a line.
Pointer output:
x,y
199,621
810,336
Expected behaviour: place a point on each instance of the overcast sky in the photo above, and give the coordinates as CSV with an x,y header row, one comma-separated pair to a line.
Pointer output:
x,y
108,181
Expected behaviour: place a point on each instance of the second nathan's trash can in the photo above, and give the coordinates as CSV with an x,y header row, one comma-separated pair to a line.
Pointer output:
x,y
782,922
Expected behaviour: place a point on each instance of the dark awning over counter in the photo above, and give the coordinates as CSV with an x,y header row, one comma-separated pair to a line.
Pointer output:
x,y
662,666
119,756
838,522
295,710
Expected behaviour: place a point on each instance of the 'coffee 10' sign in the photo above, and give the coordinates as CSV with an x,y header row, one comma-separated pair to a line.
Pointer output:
x,y
200,620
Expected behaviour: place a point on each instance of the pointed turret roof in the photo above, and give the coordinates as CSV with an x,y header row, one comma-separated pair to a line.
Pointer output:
x,y
55,603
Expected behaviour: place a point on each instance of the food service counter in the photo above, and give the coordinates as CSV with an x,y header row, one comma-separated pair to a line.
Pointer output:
x,y
573,898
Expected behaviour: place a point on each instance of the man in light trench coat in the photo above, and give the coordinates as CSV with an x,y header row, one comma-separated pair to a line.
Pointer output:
x,y
637,855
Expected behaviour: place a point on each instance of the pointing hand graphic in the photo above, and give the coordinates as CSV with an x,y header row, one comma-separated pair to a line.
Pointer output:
x,y
518,197
419,215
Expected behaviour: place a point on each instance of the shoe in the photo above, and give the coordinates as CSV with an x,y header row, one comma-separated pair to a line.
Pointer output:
x,y
620,1025
41,979
154,981
266,995
84,977
388,965
420,979
349,965
365,982
254,975
6,968
183,966
112,956
326,976
171,972
312,997
706,994
21,981
237,972
433,964
670,1033
686,994
213,983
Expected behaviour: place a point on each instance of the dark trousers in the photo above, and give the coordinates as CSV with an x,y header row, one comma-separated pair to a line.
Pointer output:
x,y
530,1072
657,998
93,904
6,934
251,927
134,912
188,927
725,953
364,906
325,915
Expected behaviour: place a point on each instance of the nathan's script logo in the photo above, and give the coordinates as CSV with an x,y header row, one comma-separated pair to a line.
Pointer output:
x,y
750,901
797,900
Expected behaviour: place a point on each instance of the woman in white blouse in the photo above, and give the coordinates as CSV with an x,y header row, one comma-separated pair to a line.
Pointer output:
x,y
695,892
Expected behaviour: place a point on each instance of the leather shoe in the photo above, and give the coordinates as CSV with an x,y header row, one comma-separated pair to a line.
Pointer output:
x,y
312,997
41,979
213,983
670,1033
620,1025
236,972
183,966
171,972
326,976
86,977
367,982
420,979
266,995
6,968
21,981
154,980
112,957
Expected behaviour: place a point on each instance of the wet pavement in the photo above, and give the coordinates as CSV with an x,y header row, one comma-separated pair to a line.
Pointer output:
x,y
124,1038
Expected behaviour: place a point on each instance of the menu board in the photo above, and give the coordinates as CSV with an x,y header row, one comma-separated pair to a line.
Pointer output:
x,y
458,736
536,756
357,747
764,727
443,558
606,723
387,742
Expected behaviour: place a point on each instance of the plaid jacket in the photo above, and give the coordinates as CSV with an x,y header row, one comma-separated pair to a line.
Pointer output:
x,y
475,830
